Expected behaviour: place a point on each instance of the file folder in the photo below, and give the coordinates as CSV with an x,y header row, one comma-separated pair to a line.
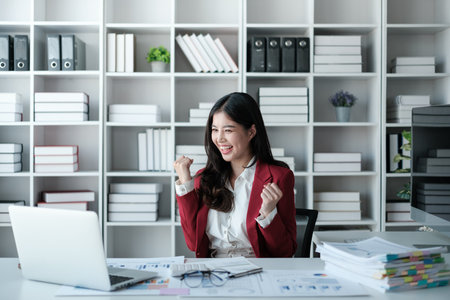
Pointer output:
x,y
21,53
6,53
273,54
302,55
287,54
256,54
54,52
73,53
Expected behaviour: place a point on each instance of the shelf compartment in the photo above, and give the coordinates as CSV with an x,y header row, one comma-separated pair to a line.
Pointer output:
x,y
19,135
15,11
140,90
153,241
138,11
11,191
189,92
417,11
285,11
67,10
20,85
346,11
86,138
204,11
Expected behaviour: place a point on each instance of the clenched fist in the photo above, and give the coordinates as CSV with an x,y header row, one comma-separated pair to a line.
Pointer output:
x,y
182,165
270,195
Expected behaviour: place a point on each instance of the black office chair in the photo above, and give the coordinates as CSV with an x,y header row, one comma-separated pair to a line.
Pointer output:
x,y
304,245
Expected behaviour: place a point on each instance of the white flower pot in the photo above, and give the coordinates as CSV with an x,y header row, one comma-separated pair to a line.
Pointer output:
x,y
343,113
158,66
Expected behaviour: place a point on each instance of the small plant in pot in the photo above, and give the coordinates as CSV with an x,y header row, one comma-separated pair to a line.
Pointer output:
x,y
159,58
343,101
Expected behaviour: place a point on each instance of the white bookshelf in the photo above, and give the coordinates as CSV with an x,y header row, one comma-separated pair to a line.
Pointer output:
x,y
108,150
411,28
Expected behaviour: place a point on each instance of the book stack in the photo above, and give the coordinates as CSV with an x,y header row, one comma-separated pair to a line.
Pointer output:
x,y
284,104
338,206
134,113
337,162
400,109
195,152
56,159
433,198
154,146
337,54
10,157
438,161
395,144
206,54
200,115
398,211
413,64
61,107
386,266
4,213
11,107
435,115
133,202
74,200
120,50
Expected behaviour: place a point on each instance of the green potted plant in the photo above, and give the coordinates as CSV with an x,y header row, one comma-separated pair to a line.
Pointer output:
x,y
406,147
159,58
342,101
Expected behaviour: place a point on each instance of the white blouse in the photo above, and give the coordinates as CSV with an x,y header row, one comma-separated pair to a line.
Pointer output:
x,y
227,231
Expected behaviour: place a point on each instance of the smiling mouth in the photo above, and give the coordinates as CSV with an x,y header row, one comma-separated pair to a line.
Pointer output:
x,y
225,149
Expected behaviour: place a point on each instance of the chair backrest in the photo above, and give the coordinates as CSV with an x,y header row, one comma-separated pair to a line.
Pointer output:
x,y
305,244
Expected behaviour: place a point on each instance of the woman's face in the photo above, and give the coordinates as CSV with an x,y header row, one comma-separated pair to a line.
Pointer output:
x,y
232,139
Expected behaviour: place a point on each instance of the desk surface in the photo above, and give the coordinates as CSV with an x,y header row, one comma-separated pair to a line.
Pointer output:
x,y
14,287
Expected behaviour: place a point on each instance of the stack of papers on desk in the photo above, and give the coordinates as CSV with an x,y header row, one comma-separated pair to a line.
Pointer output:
x,y
386,266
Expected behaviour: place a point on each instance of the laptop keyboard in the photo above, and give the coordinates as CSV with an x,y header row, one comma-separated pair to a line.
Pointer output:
x,y
117,279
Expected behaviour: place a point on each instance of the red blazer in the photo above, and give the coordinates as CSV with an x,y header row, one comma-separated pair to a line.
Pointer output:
x,y
276,240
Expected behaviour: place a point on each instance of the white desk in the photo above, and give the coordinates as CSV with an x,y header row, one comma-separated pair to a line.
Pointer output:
x,y
14,287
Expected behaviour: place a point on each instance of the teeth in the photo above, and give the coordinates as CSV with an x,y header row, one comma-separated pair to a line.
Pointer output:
x,y
225,147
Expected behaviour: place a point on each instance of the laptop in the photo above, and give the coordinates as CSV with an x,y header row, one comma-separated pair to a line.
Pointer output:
x,y
65,247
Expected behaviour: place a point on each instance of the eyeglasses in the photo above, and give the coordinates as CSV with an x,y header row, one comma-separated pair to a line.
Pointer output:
x,y
216,277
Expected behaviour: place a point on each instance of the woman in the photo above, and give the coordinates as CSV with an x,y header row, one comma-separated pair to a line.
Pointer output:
x,y
242,202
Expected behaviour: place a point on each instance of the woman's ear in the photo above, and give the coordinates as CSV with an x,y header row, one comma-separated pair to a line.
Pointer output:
x,y
252,131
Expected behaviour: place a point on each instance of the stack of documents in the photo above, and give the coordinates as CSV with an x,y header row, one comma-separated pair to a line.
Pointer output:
x,y
400,109
337,54
337,162
134,113
200,115
56,158
61,107
414,65
386,266
284,104
10,158
74,200
11,107
133,202
338,206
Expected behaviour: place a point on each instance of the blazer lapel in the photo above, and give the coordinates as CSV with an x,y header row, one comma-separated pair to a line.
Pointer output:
x,y
262,176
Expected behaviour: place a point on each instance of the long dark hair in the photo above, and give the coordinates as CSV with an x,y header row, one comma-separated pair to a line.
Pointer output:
x,y
242,109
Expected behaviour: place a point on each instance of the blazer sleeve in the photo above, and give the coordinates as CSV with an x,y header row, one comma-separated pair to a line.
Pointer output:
x,y
280,236
189,205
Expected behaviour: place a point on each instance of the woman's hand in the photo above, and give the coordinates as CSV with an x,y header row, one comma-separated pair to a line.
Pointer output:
x,y
182,165
270,195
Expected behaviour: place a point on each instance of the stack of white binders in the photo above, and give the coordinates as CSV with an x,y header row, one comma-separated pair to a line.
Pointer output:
x,y
154,146
4,212
74,200
61,107
200,115
400,109
10,158
398,211
120,52
337,54
338,206
56,159
133,202
205,54
11,107
337,162
284,104
414,64
134,113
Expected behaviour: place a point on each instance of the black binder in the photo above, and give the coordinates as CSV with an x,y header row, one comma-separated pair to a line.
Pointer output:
x,y
72,53
54,52
287,54
273,54
21,53
302,55
6,53
256,54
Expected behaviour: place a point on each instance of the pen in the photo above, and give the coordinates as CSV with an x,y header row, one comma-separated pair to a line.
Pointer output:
x,y
246,273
